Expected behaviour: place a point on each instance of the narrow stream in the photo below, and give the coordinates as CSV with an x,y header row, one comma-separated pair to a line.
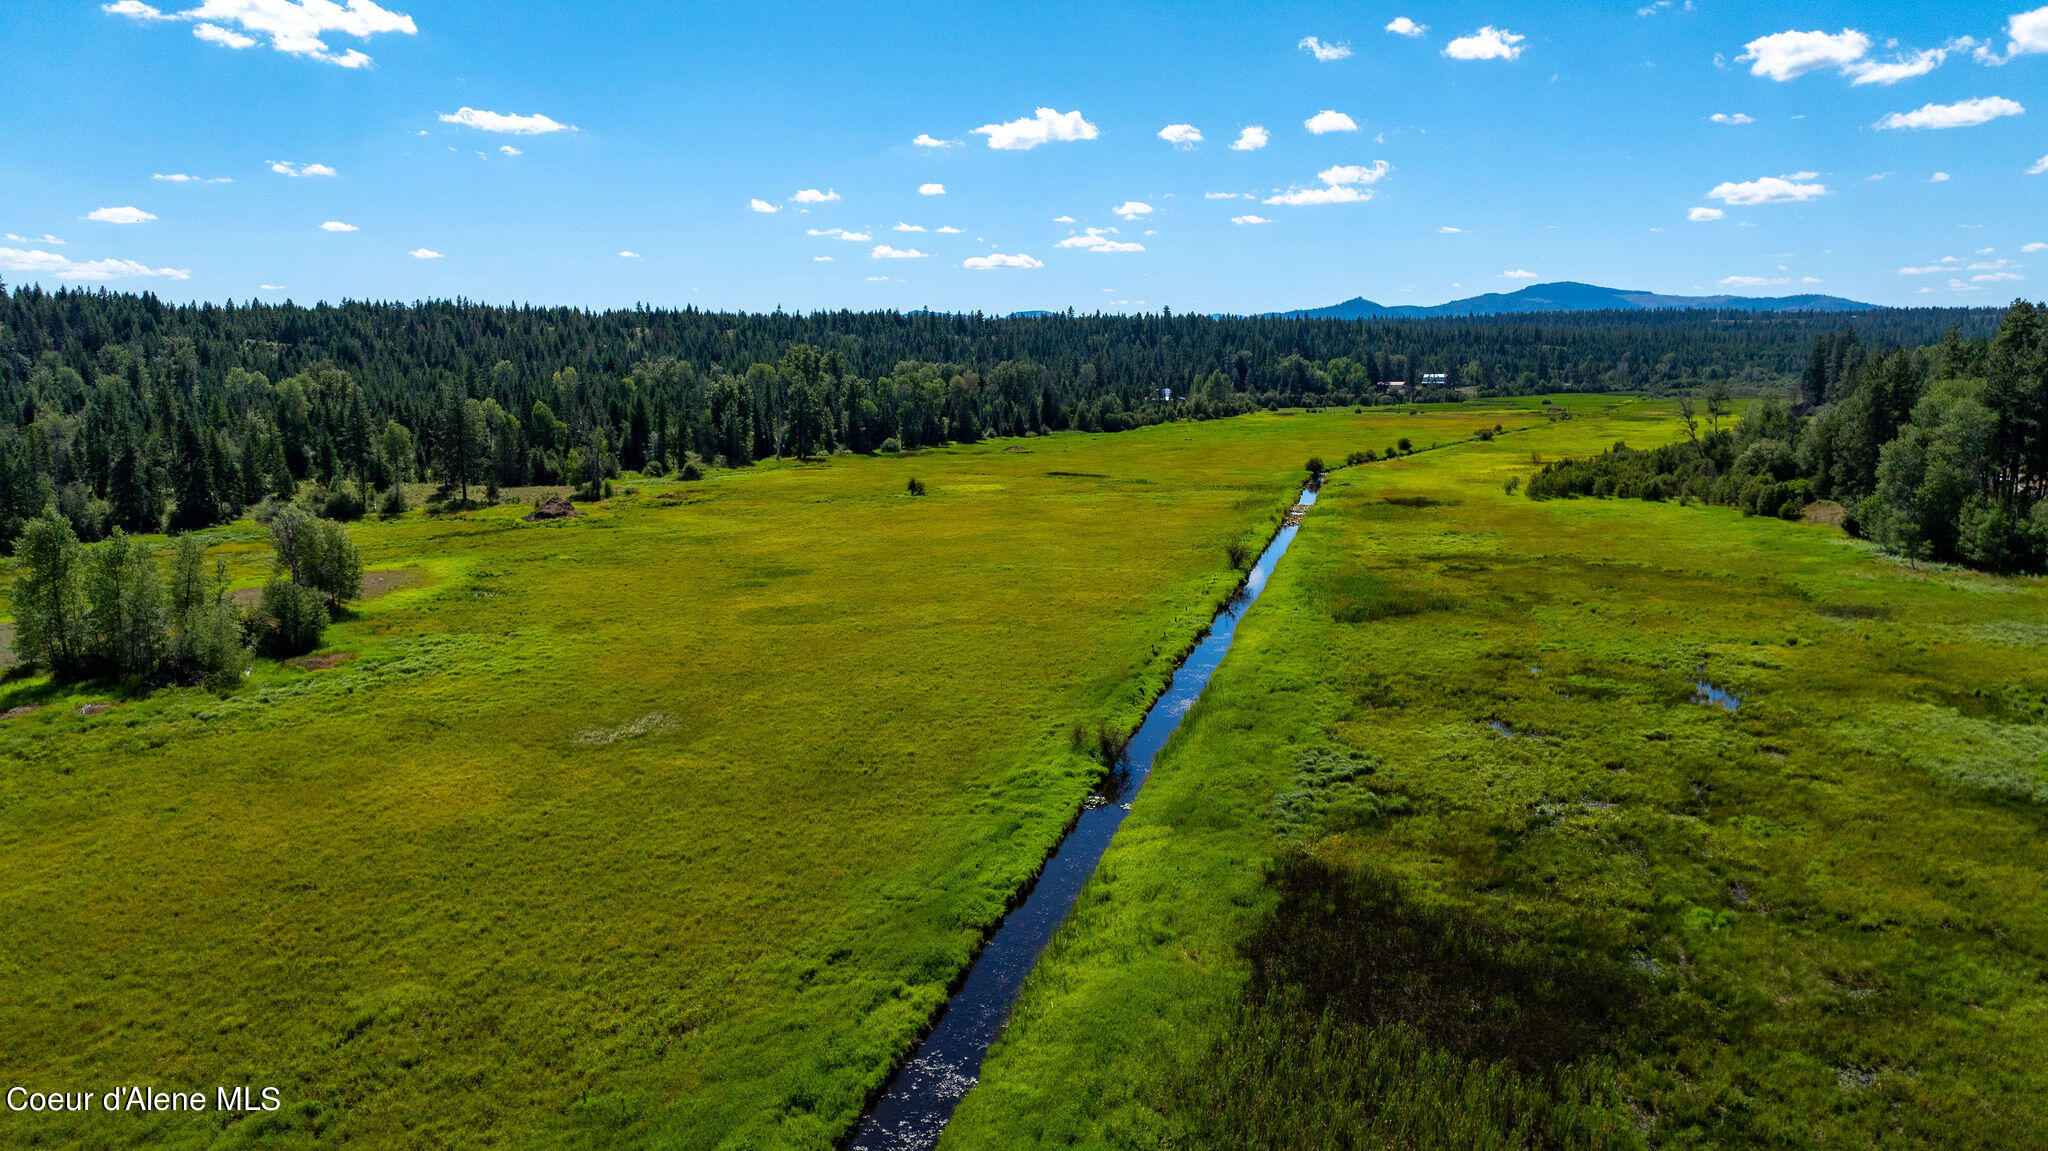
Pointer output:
x,y
920,1099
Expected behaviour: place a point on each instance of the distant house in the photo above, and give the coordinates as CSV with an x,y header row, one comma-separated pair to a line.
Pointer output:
x,y
1393,383
1436,380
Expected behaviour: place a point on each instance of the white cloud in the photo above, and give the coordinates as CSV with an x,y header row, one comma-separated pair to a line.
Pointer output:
x,y
1132,209
1221,195
509,150
1062,219
1181,135
1732,118
998,260
1043,127
885,252
46,239
1938,178
1403,26
1323,52
763,206
1249,220
2026,34
270,287
65,268
931,189
1251,139
225,37
337,226
948,230
1355,173
182,178
288,168
1340,194
927,140
821,259
1704,215
1961,114
1489,43
2036,246
294,27
429,253
1097,240
629,255
903,227
1518,274
129,215
840,234
1750,281
1447,230
813,196
1901,68
1768,190
2039,166
1327,121
1996,278
1786,55
517,125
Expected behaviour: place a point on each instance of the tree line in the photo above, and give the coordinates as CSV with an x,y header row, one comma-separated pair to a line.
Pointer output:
x,y
1937,452
118,411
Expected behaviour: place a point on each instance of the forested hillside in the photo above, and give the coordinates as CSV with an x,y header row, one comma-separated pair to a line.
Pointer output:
x,y
123,411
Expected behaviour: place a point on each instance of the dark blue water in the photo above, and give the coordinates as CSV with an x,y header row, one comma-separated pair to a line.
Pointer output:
x,y
920,1099
1704,692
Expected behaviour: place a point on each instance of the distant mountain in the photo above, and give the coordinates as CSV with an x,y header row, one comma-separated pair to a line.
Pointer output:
x,y
1567,296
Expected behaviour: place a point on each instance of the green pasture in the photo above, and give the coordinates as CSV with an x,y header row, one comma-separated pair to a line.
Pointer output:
x,y
1452,853
664,826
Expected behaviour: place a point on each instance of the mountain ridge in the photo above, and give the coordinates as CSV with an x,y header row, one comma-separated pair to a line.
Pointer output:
x,y
1571,296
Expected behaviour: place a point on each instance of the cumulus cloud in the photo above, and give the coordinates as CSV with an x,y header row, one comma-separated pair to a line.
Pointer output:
x,y
1249,220
225,37
840,234
629,255
1181,135
1221,196
182,178
1518,274
1768,190
1750,281
1251,139
1961,114
294,27
1732,118
1355,173
999,260
509,150
2039,166
513,123
1786,55
424,254
46,239
1938,178
1489,43
821,259
337,226
1403,26
1997,277
763,206
1043,127
927,140
128,215
931,189
1340,194
2036,246
1899,68
813,196
885,252
903,227
1327,121
2026,34
288,168
270,287
1098,240
1132,209
1704,215
1323,52
1447,230
948,230
64,268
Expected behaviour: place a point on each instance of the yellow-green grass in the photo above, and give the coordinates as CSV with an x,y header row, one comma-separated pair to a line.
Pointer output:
x,y
1830,902
668,825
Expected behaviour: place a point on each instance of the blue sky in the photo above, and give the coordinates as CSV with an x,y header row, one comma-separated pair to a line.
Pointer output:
x,y
1880,151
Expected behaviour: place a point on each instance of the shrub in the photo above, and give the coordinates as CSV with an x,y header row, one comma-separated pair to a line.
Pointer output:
x,y
290,618
1406,445
892,445
1239,553
1356,458
393,503
915,486
1314,465
343,502
1513,485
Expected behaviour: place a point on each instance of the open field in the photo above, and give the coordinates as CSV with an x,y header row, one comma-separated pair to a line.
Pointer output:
x,y
664,826
1455,852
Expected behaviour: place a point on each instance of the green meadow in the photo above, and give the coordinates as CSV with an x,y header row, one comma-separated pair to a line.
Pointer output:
x,y
1457,851
671,824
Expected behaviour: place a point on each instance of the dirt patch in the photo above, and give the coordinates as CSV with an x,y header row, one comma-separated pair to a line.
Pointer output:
x,y
248,596
95,708
1825,512
1016,449
18,712
1293,516
385,582
7,660
326,661
553,508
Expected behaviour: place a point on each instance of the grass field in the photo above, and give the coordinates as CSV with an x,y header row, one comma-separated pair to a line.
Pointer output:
x,y
1456,852
666,826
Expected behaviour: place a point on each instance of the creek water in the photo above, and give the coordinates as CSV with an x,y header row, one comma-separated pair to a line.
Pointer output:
x,y
919,1100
